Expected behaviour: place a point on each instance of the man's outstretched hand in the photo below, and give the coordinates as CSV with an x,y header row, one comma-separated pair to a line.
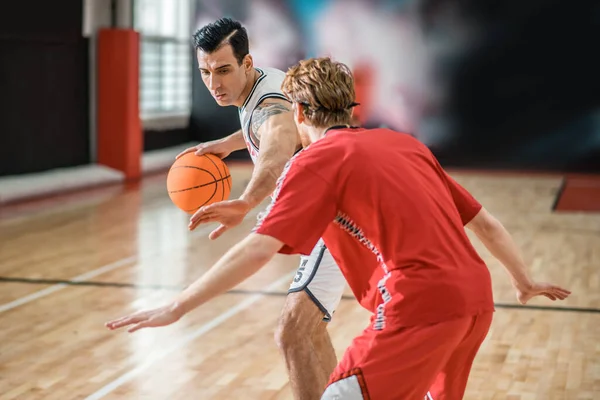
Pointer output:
x,y
161,316
553,292
229,213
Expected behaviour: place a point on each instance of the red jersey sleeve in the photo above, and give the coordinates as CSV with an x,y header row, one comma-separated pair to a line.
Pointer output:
x,y
303,205
468,207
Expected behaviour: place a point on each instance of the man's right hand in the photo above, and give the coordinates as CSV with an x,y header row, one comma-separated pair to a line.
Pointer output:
x,y
553,292
220,148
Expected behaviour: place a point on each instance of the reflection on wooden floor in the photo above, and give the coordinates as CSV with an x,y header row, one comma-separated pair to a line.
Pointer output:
x,y
72,262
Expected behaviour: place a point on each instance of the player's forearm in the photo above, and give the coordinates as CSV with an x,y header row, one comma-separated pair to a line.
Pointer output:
x,y
275,128
500,243
264,178
235,141
239,263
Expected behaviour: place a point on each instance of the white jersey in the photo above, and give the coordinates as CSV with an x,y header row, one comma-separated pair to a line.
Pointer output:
x,y
268,85
318,273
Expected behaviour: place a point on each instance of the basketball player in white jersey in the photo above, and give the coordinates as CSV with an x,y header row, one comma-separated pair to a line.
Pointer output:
x,y
269,133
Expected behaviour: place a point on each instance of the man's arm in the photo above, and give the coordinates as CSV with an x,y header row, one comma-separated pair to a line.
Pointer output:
x,y
273,124
220,147
238,264
488,229
499,242
235,141
291,225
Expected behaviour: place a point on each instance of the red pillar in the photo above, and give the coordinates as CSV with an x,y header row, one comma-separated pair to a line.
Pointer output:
x,y
120,136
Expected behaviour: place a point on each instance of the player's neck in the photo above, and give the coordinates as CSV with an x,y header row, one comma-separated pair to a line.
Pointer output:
x,y
249,84
314,134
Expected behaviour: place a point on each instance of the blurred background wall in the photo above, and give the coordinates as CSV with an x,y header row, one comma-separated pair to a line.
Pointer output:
x,y
44,91
48,81
486,84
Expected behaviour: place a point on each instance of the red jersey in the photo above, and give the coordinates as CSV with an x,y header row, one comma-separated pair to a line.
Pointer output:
x,y
391,218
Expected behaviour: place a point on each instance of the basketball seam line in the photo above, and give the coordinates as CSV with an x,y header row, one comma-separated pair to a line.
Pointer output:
x,y
199,186
220,174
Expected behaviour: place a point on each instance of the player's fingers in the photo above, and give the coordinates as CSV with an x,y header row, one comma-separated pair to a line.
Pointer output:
x,y
217,232
188,150
204,218
208,210
194,224
201,150
216,207
556,288
207,220
140,325
121,322
556,292
564,295
198,215
550,296
201,213
561,293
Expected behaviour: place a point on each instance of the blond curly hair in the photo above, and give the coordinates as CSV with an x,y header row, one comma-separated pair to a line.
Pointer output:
x,y
325,88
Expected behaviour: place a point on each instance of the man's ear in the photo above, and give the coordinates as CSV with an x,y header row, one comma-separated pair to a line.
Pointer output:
x,y
299,113
248,63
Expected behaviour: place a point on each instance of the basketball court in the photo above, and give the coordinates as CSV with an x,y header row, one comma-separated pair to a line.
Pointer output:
x,y
103,95
70,262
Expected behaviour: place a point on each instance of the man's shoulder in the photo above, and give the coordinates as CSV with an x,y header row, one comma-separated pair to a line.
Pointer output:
x,y
324,152
268,90
271,71
270,79
389,137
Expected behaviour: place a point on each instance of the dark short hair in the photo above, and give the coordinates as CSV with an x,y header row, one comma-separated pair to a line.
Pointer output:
x,y
223,31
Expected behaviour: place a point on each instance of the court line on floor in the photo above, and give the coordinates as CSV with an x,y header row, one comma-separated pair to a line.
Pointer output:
x,y
55,288
213,323
548,308
95,272
178,288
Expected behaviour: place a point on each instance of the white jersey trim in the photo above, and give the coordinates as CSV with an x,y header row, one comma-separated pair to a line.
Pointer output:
x,y
350,227
268,84
260,78
252,135
280,181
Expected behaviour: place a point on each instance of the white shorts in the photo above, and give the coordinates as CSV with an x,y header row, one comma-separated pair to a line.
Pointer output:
x,y
345,389
349,389
320,277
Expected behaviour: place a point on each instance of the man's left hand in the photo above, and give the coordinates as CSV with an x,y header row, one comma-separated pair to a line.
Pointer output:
x,y
229,213
161,316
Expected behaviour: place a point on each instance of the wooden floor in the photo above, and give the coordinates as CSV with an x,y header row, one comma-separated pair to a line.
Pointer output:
x,y
69,264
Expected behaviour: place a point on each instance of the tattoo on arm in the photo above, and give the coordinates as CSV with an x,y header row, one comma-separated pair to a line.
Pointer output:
x,y
264,112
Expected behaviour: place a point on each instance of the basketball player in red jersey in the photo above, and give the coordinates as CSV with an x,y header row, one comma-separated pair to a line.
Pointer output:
x,y
394,221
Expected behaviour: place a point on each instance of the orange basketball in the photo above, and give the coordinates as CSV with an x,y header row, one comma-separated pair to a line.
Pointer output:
x,y
195,181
